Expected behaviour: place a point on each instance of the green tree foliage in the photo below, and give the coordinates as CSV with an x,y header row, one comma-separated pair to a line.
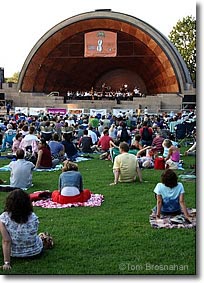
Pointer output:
x,y
183,36
14,78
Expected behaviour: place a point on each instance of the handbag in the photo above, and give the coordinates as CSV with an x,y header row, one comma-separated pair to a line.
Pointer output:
x,y
159,163
47,240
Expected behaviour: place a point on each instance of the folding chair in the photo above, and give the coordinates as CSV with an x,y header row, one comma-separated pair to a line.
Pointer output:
x,y
184,133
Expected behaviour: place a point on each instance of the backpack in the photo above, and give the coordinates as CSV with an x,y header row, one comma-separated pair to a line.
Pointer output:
x,y
124,135
145,134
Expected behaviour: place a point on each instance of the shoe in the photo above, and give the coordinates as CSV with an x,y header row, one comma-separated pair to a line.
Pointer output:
x,y
179,219
2,181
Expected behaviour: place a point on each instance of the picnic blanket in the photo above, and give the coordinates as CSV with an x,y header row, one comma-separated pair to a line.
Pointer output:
x,y
187,177
8,188
3,157
95,200
172,221
6,168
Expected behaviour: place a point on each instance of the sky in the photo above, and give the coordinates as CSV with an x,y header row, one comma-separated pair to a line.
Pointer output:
x,y
24,22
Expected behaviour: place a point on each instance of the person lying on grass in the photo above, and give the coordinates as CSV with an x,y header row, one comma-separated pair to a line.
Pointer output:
x,y
145,157
170,196
125,166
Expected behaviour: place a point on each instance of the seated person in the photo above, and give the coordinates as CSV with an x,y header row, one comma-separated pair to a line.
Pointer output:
x,y
173,157
16,143
136,142
66,128
30,139
114,150
19,229
30,143
112,131
125,166
24,131
145,157
46,131
146,133
70,185
21,171
8,137
56,148
104,142
44,158
170,195
192,150
166,145
124,133
157,142
85,143
70,149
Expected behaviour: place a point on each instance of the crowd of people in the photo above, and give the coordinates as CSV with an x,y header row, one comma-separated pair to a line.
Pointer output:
x,y
129,142
48,140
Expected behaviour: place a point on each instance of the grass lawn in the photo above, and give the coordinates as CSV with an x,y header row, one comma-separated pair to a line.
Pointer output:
x,y
115,238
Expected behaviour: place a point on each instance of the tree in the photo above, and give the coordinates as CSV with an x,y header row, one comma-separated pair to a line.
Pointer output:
x,y
14,78
183,36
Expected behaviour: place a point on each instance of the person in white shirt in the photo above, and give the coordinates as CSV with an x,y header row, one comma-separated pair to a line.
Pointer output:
x,y
93,135
146,111
21,171
30,140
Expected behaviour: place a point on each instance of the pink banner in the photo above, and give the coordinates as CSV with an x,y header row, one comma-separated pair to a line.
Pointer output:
x,y
57,111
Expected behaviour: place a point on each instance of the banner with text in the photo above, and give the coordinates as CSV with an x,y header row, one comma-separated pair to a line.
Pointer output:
x,y
35,111
100,44
61,111
76,112
95,112
122,112
19,110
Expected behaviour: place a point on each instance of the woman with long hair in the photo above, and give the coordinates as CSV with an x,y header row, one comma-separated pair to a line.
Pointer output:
x,y
19,228
169,194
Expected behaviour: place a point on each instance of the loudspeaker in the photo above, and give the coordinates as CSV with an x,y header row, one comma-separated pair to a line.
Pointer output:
x,y
2,75
2,96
